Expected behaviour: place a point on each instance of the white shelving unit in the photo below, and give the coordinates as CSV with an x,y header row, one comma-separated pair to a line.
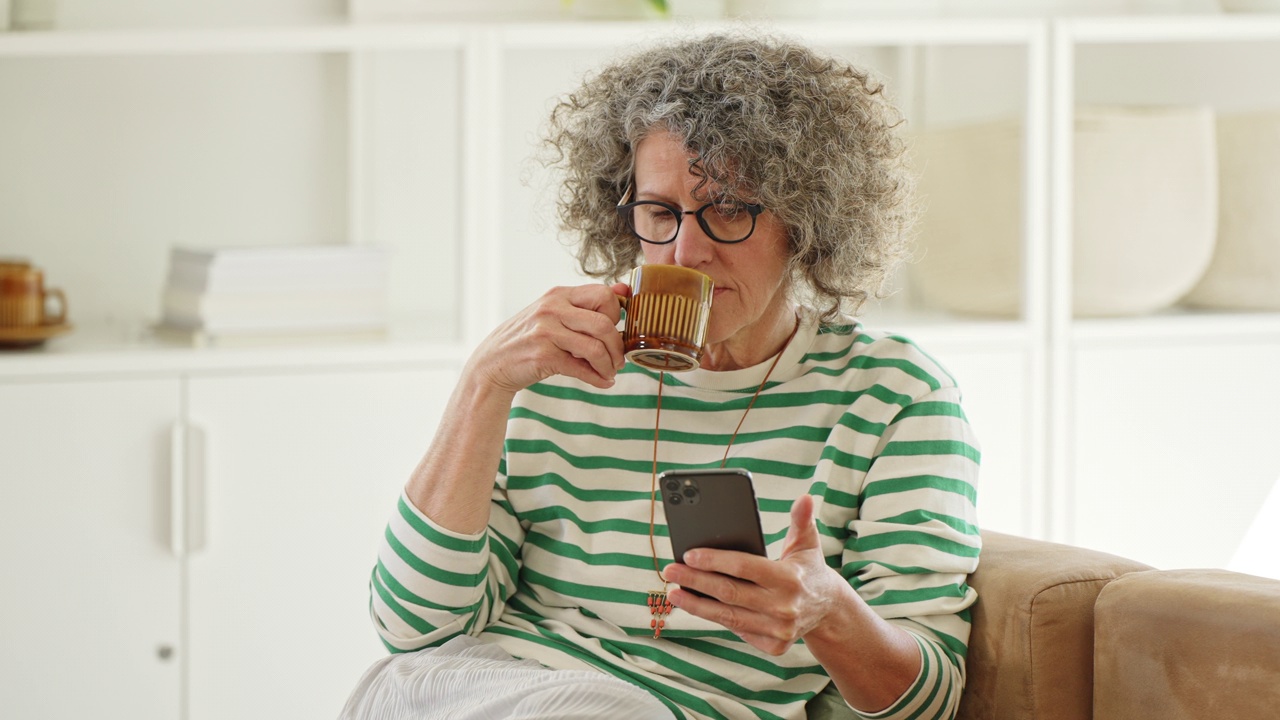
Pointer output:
x,y
439,121
480,50
417,135
1158,422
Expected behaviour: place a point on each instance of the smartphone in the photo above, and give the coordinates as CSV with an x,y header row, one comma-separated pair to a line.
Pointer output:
x,y
711,508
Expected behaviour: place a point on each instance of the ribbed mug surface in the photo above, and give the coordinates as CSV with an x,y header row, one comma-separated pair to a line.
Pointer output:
x,y
667,316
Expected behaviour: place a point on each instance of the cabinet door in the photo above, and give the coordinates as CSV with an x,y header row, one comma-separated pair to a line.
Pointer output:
x,y
301,474
1175,449
89,604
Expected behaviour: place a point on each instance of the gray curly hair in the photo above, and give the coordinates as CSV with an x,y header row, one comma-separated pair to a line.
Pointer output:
x,y
811,138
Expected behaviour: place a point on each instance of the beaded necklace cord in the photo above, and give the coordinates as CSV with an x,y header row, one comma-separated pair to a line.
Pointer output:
x,y
659,606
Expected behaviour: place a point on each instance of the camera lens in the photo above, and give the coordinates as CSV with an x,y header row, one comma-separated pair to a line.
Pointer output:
x,y
690,492
673,485
674,498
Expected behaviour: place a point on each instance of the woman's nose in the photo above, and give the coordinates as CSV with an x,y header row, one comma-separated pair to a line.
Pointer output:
x,y
692,245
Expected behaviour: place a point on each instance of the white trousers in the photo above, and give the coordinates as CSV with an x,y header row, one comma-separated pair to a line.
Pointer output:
x,y
467,679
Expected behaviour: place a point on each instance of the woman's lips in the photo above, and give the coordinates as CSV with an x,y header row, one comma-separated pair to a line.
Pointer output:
x,y
715,293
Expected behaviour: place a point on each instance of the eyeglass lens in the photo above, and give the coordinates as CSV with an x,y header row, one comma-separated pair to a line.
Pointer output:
x,y
725,222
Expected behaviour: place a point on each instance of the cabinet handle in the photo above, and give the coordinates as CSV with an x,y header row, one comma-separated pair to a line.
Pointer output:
x,y
186,489
178,489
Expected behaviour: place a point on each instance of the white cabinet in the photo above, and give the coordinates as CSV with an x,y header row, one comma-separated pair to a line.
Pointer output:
x,y
90,603
300,474
1176,448
259,607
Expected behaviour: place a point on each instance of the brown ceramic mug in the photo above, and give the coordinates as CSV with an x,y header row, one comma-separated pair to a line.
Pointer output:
x,y
24,300
667,313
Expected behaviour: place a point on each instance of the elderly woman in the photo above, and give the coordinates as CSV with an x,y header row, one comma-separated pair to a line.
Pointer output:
x,y
513,575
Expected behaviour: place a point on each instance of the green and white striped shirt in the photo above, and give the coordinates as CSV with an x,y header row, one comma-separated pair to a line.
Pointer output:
x,y
867,424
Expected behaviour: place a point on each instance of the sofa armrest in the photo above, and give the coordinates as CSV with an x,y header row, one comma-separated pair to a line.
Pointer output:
x,y
1031,646
1184,644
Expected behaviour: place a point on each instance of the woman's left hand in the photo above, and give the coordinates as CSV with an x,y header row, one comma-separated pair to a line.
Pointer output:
x,y
768,603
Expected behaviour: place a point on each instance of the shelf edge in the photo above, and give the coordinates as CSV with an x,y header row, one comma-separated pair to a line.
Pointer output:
x,y
25,365
1176,328
337,37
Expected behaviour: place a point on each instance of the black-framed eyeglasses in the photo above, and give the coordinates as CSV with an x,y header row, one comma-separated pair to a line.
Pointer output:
x,y
725,221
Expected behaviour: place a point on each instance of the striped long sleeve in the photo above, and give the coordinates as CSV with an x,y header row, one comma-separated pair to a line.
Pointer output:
x,y
866,423
431,584
914,542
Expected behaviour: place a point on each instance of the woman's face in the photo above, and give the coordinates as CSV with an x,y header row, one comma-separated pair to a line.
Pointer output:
x,y
750,301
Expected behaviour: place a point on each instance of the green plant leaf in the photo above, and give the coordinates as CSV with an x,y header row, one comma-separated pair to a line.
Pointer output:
x,y
659,5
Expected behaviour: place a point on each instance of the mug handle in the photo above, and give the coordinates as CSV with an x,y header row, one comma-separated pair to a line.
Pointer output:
x,y
62,307
622,302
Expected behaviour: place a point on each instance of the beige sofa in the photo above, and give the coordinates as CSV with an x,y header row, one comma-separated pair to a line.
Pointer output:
x,y
1064,633
1184,644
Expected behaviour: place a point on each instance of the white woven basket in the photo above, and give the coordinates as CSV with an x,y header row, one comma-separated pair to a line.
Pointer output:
x,y
1144,220
1245,271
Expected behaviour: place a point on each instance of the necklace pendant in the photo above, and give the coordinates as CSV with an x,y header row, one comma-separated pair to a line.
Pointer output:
x,y
659,607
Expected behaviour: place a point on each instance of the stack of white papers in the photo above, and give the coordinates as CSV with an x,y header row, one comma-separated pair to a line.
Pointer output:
x,y
273,291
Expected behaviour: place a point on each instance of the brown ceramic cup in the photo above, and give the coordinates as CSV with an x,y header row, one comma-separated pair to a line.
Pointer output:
x,y
667,313
24,300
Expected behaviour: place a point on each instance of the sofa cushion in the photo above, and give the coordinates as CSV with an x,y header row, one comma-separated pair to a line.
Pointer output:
x,y
1188,644
1031,647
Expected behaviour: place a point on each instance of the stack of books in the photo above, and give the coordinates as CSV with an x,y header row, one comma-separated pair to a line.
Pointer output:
x,y
255,294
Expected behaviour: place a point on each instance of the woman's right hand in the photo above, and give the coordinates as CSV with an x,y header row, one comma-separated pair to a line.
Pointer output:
x,y
568,331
